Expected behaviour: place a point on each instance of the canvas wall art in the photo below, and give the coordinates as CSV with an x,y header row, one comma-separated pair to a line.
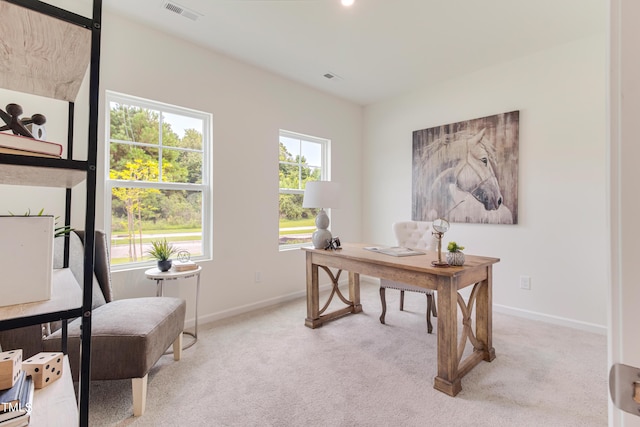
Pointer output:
x,y
467,171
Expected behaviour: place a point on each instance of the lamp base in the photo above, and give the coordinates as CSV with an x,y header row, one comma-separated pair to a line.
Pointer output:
x,y
321,238
440,264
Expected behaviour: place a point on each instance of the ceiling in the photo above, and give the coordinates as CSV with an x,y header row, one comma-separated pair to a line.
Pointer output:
x,y
377,48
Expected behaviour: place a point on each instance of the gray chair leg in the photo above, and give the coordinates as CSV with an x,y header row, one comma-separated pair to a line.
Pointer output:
x,y
401,300
429,309
383,300
433,307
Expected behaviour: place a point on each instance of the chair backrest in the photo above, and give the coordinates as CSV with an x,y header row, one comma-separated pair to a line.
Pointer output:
x,y
102,290
414,235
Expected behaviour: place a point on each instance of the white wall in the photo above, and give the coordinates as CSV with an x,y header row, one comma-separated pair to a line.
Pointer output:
x,y
249,106
560,240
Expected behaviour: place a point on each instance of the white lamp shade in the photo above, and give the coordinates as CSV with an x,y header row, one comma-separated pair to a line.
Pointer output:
x,y
321,194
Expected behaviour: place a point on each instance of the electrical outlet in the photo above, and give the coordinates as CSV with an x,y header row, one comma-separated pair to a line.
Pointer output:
x,y
258,277
525,283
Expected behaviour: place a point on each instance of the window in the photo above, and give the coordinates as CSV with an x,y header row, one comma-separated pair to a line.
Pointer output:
x,y
302,158
158,185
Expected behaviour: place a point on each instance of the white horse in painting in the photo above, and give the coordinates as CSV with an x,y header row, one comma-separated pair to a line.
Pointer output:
x,y
464,187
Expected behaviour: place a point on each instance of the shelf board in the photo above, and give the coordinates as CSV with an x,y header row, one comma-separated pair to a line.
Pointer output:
x,y
66,296
42,172
40,54
56,404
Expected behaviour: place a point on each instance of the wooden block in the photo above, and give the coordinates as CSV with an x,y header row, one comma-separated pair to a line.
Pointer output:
x,y
10,367
45,368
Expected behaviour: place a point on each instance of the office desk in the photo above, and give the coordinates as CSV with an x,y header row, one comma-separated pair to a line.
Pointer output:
x,y
417,270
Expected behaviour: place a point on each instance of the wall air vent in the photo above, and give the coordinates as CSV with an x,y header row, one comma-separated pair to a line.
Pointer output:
x,y
181,10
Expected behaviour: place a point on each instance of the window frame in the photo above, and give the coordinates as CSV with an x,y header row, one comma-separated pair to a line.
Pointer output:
x,y
205,187
325,174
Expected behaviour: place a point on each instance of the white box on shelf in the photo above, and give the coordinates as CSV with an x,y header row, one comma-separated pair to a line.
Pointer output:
x,y
26,258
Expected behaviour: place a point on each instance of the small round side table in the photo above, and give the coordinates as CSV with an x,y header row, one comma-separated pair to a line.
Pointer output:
x,y
161,276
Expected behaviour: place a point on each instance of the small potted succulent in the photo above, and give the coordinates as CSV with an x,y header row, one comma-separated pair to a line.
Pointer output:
x,y
455,256
162,250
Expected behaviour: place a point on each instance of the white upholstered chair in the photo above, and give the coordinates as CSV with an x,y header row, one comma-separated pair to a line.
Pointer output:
x,y
415,235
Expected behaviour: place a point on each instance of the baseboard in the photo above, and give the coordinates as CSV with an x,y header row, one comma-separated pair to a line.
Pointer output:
x,y
533,315
548,318
251,307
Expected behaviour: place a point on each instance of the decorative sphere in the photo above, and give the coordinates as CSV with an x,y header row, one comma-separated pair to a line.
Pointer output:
x,y
14,110
321,238
322,220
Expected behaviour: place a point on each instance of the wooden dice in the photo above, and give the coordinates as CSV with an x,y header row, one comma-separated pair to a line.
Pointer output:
x,y
44,368
10,367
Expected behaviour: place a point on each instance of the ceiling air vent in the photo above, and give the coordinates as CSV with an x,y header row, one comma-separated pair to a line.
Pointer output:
x,y
181,10
332,76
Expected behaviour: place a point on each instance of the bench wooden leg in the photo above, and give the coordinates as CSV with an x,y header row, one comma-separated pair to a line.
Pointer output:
x,y
177,348
401,300
139,389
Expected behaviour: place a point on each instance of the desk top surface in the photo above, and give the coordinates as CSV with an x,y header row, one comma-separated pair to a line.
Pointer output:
x,y
421,263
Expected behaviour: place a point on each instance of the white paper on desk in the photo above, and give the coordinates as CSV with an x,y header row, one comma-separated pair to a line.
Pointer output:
x,y
394,250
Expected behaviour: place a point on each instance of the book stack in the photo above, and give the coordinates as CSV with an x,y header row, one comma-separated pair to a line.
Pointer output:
x,y
23,146
184,266
16,402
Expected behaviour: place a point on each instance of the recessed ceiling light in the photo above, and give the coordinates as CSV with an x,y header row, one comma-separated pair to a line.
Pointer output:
x,y
347,2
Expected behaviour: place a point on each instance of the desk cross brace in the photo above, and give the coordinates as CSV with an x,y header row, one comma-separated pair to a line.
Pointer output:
x,y
334,290
467,330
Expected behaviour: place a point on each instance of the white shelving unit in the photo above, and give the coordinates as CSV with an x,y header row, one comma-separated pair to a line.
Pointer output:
x,y
46,51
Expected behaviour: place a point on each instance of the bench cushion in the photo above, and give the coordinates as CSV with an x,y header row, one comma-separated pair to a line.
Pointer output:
x,y
121,332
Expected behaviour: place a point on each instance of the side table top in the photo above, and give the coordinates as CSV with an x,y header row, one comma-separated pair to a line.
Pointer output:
x,y
156,274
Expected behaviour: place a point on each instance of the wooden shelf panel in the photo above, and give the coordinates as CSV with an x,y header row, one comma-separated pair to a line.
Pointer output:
x,y
56,404
50,173
40,54
66,294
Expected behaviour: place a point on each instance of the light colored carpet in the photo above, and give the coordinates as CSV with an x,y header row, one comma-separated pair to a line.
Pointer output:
x,y
267,369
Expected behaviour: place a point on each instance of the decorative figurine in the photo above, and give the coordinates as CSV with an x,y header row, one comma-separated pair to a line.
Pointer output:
x,y
18,126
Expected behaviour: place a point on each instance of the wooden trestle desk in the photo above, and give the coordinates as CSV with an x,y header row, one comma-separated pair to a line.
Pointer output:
x,y
417,270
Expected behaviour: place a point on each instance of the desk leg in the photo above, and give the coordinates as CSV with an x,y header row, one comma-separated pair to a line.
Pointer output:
x,y
354,292
316,316
447,380
451,366
313,296
484,317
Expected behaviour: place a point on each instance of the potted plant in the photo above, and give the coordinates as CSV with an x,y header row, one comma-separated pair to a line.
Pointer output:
x,y
162,250
455,256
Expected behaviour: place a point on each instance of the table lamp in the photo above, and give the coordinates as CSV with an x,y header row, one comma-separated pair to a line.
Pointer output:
x,y
321,194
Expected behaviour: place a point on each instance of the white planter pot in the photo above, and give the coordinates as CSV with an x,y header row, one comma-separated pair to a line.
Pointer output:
x,y
26,258
455,258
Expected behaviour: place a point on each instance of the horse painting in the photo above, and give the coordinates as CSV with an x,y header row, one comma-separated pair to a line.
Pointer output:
x,y
467,171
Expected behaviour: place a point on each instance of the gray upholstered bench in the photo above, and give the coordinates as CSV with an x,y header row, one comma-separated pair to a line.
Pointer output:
x,y
128,336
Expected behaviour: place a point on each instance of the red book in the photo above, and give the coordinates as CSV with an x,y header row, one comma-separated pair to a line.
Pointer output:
x,y
16,142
